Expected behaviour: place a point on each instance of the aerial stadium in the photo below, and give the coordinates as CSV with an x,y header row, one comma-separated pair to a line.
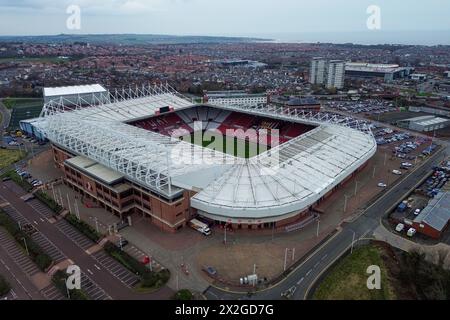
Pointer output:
x,y
133,151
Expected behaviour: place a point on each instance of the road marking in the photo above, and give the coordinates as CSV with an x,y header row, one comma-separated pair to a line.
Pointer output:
x,y
316,265
35,222
309,272
91,273
300,281
98,268
42,220
324,257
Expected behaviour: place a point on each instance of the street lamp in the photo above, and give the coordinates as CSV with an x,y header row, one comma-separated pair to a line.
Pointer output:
x,y
353,241
26,247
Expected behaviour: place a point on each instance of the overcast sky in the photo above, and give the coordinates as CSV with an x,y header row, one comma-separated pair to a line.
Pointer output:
x,y
220,17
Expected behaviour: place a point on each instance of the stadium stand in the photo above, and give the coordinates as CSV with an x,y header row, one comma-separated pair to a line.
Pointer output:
x,y
263,129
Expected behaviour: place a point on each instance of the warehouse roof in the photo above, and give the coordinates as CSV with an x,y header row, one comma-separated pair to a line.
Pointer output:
x,y
437,213
73,90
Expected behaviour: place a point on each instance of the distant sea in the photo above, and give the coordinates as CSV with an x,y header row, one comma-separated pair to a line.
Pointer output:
x,y
430,38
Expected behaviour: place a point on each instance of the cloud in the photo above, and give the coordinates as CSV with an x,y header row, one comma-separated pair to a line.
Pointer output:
x,y
97,7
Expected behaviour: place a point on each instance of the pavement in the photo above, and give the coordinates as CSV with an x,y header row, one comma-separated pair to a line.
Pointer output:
x,y
307,273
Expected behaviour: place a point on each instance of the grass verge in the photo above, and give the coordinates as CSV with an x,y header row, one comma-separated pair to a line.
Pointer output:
x,y
8,157
347,279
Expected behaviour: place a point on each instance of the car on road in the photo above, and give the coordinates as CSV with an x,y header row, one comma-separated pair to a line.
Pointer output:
x,y
400,227
382,185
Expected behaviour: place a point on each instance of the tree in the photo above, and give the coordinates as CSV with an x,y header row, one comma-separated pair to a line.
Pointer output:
x,y
183,294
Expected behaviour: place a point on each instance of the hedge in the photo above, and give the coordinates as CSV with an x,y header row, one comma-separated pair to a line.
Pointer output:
x,y
83,227
59,280
42,260
4,286
49,202
149,279
19,180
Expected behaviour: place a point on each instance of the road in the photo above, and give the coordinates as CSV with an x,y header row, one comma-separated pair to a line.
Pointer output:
x,y
317,262
88,264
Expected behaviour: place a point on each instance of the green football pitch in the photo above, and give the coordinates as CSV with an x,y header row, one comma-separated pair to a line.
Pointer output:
x,y
229,145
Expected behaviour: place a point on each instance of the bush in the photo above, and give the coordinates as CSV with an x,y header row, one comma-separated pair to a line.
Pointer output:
x,y
4,286
183,294
59,280
155,279
430,281
24,184
149,279
42,260
84,228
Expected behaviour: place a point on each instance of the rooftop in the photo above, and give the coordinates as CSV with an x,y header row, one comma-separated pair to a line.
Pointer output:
x,y
73,90
437,213
94,169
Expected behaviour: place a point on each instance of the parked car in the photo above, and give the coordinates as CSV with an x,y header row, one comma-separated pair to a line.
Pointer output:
x,y
382,185
411,232
121,243
397,172
417,212
400,227
210,270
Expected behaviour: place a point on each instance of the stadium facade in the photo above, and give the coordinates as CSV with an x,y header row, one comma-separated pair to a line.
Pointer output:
x,y
122,153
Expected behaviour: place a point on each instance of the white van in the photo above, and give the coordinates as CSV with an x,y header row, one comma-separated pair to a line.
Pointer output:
x,y
411,232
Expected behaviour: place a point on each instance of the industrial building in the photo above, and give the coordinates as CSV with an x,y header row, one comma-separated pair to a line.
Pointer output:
x,y
418,76
425,123
236,97
387,72
330,73
122,155
435,218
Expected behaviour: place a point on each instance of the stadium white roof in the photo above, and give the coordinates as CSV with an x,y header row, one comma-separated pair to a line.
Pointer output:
x,y
284,180
73,90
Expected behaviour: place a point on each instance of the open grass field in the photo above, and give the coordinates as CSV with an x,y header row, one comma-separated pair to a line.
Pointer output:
x,y
22,108
232,146
8,157
348,279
